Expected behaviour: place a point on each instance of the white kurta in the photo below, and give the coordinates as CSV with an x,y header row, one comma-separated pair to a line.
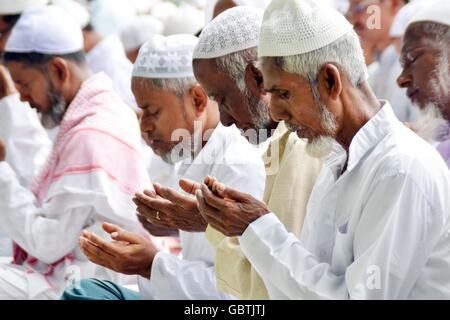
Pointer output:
x,y
27,146
109,57
378,231
383,80
233,161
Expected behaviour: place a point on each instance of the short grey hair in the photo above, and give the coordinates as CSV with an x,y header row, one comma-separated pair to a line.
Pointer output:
x,y
234,64
434,31
346,53
178,86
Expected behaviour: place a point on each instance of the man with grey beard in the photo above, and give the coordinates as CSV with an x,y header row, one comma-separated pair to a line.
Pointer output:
x,y
379,214
426,73
225,65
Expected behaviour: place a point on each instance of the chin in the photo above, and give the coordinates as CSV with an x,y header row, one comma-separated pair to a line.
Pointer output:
x,y
319,147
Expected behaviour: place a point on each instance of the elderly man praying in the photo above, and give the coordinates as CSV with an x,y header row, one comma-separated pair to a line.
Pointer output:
x,y
378,217
426,73
226,67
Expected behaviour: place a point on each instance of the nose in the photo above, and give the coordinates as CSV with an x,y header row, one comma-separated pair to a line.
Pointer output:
x,y
403,80
24,97
147,125
277,113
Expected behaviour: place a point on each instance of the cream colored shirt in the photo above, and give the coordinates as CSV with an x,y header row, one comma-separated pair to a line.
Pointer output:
x,y
291,174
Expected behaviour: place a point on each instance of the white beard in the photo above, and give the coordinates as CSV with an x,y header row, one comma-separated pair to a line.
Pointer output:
x,y
320,147
432,125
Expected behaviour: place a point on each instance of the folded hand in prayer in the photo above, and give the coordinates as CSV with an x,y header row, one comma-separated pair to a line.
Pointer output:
x,y
227,210
156,230
128,253
168,208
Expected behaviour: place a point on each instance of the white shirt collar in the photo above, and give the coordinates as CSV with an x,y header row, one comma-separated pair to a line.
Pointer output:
x,y
367,138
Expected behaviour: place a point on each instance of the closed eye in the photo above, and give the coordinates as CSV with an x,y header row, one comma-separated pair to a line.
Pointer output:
x,y
284,94
155,114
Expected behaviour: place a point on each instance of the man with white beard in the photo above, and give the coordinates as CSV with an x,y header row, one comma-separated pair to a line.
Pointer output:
x,y
378,217
372,21
426,73
226,67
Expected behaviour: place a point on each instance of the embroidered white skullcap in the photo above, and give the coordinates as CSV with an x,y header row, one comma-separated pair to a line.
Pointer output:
x,y
9,7
439,12
46,30
166,57
140,30
292,27
231,31
79,12
406,14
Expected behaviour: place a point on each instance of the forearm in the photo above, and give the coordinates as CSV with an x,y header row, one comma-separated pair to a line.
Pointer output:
x,y
27,143
47,233
283,262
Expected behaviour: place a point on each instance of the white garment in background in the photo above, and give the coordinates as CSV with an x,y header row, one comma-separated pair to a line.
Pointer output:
x,y
109,57
234,162
383,81
27,146
380,230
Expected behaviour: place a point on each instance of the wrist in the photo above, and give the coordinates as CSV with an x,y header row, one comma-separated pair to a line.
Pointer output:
x,y
146,271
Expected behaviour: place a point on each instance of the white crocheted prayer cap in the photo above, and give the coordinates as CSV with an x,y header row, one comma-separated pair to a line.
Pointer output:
x,y
140,30
233,30
439,12
9,7
46,30
292,27
166,57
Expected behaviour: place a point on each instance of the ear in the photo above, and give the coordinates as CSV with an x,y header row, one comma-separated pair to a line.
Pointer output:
x,y
330,82
254,80
199,99
58,70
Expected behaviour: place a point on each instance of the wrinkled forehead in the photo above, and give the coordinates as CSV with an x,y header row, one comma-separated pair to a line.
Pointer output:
x,y
203,67
416,36
270,65
210,75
